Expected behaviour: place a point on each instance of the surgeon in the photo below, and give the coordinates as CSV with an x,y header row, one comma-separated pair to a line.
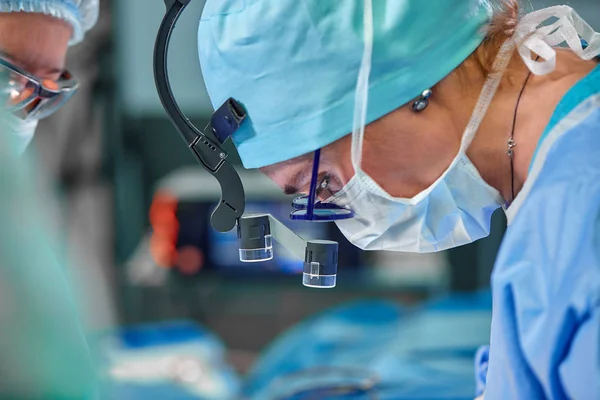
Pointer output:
x,y
34,38
425,117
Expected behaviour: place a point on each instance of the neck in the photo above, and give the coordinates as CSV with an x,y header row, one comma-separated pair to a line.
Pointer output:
x,y
489,150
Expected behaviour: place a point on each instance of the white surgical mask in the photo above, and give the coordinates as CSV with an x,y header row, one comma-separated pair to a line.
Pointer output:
x,y
457,208
20,132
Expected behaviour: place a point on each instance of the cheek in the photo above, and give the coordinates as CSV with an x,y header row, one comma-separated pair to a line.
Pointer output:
x,y
408,160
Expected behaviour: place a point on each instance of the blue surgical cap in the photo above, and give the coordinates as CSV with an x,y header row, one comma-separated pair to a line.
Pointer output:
x,y
294,64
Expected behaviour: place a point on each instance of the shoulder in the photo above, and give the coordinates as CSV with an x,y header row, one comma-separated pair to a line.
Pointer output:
x,y
575,153
554,239
567,167
567,159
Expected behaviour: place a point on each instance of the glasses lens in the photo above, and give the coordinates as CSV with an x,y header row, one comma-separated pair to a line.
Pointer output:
x,y
301,203
49,106
16,90
55,95
30,99
322,214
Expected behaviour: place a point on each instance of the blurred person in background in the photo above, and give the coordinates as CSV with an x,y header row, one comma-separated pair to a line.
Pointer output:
x,y
43,351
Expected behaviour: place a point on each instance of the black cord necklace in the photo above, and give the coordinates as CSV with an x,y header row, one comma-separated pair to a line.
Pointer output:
x,y
511,141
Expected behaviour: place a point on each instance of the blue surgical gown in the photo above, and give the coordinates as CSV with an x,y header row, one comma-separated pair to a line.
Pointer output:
x,y
545,338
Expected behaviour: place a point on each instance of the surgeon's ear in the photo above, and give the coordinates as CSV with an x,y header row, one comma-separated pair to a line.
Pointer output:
x,y
421,103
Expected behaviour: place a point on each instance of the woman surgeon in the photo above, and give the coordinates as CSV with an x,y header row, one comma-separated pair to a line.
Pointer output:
x,y
425,117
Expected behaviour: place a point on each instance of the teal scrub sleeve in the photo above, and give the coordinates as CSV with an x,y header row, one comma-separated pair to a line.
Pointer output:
x,y
43,350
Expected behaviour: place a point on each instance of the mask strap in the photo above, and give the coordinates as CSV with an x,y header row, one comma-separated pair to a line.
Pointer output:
x,y
362,89
569,28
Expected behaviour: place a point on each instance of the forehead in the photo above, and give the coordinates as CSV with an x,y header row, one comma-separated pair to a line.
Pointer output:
x,y
34,68
40,42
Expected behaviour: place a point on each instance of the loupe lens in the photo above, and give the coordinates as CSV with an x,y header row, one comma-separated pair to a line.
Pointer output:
x,y
254,238
320,264
260,254
313,279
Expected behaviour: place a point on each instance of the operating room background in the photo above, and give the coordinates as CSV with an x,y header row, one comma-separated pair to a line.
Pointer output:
x,y
112,150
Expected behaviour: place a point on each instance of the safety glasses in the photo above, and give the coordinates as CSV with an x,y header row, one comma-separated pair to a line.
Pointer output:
x,y
29,97
309,208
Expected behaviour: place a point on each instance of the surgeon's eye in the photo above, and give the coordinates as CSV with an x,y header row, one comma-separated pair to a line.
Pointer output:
x,y
327,187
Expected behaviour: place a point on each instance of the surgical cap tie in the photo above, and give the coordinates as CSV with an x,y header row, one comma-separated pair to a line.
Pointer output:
x,y
568,28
